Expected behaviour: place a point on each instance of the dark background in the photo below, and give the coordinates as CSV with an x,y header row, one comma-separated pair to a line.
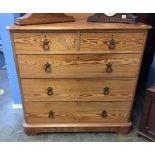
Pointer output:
x,y
150,46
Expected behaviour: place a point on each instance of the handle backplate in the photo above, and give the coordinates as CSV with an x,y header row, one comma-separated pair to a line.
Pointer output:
x,y
49,91
46,44
106,91
51,114
104,114
111,43
47,67
108,67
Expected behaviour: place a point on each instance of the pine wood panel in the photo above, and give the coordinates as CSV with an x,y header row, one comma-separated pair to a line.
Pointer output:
x,y
100,41
78,89
78,100
77,112
76,66
33,42
33,129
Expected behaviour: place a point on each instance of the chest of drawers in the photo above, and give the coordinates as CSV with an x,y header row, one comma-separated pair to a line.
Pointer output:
x,y
77,77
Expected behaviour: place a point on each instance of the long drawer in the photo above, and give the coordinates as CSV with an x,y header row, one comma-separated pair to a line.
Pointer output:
x,y
76,66
78,89
112,41
77,112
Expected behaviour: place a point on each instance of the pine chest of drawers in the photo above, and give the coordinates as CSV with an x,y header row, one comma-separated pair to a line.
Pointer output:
x,y
77,77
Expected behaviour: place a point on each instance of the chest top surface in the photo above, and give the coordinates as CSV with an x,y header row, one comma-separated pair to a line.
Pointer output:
x,y
82,25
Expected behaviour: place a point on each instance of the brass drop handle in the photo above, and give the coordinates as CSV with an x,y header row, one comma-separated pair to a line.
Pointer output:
x,y
104,114
51,114
112,43
106,91
47,67
108,67
49,91
45,44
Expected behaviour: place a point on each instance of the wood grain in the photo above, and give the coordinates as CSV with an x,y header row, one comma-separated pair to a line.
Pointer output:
x,y
61,43
43,18
78,75
33,129
77,112
100,41
33,42
78,89
81,25
78,66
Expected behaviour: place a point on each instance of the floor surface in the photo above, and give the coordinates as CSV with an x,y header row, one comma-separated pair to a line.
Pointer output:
x,y
11,123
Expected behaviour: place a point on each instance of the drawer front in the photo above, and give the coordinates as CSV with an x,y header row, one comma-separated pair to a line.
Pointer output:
x,y
72,66
109,42
45,43
80,112
78,89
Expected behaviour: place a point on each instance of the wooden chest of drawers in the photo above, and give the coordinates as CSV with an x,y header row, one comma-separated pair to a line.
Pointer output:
x,y
77,77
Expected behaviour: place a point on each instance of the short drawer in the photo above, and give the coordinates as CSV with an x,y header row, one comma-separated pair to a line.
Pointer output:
x,y
76,66
78,89
77,112
45,43
112,42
